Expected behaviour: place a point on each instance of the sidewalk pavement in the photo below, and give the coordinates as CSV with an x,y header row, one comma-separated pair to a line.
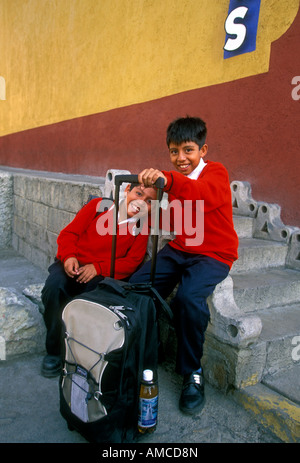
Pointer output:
x,y
29,403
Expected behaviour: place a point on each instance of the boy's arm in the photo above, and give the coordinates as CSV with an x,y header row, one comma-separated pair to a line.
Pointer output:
x,y
212,186
126,266
68,237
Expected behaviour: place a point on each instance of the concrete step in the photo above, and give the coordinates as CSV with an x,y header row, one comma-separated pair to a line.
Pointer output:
x,y
287,382
17,272
257,254
273,410
243,226
281,334
261,289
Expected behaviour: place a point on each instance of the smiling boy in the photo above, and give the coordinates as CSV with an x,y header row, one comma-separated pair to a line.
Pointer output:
x,y
196,266
84,257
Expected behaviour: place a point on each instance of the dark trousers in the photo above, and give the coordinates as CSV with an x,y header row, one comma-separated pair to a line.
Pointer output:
x,y
196,276
59,289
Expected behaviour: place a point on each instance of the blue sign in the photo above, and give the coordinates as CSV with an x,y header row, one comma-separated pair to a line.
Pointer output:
x,y
241,27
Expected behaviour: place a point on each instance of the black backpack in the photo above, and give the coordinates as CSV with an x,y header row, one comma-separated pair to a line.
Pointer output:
x,y
111,336
107,347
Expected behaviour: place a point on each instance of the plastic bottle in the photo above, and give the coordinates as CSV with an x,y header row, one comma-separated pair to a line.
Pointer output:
x,y
148,403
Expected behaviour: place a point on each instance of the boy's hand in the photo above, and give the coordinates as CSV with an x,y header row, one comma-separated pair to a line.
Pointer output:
x,y
71,266
86,273
149,176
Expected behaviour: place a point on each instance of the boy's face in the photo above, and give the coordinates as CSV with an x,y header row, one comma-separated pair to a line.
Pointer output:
x,y
138,200
186,156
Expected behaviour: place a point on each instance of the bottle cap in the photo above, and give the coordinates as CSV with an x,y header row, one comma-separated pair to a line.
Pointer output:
x,y
147,375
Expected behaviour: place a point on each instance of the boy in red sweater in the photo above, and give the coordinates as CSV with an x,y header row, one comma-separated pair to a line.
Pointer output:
x,y
198,262
84,256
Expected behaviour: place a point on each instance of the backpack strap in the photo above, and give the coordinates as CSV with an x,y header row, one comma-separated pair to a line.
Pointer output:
x,y
105,204
148,288
166,308
121,287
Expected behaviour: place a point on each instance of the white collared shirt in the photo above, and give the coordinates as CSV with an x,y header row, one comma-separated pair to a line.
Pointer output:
x,y
196,172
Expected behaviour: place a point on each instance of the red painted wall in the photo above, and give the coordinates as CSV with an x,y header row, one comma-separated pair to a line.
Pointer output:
x,y
253,129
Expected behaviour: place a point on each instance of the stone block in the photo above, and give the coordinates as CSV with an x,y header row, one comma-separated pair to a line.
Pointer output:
x,y
19,185
109,186
261,289
58,219
21,324
6,208
51,243
34,293
35,235
39,215
293,255
228,323
243,226
49,194
22,207
19,226
2,349
258,254
92,190
33,188
268,224
242,201
70,197
227,367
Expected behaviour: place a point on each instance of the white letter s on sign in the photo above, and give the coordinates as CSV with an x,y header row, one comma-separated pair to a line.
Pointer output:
x,y
235,29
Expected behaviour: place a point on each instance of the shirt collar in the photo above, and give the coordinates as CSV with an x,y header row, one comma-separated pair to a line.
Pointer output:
x,y
197,171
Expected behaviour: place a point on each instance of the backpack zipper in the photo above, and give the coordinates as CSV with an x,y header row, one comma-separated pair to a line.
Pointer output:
x,y
117,309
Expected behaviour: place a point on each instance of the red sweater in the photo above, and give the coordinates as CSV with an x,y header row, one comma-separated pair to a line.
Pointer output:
x,y
81,239
220,240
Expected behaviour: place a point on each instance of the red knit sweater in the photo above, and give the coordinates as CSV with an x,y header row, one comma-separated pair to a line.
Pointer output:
x,y
81,239
220,240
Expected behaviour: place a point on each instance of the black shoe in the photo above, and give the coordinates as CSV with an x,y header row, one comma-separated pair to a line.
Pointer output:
x,y
51,366
192,395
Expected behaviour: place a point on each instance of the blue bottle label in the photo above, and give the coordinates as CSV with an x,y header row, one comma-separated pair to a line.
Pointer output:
x,y
148,412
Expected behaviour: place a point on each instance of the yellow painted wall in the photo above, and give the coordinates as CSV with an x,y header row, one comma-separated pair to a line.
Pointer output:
x,y
63,59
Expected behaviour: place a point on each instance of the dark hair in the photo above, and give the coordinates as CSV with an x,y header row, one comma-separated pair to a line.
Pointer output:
x,y
187,129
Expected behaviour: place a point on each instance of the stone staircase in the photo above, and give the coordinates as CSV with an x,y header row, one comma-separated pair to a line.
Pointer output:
x,y
266,279
264,369
263,285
